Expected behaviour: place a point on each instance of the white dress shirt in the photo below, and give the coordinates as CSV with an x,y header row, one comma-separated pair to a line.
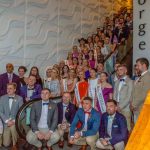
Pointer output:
x,y
29,92
121,83
44,113
64,111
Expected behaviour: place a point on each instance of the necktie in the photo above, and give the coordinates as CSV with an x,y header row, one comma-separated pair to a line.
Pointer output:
x,y
109,125
45,104
9,78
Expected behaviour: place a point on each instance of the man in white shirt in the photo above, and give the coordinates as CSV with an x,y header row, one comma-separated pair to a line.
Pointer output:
x,y
44,118
9,106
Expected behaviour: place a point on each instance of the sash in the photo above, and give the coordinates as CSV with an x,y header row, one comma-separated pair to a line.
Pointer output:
x,y
92,92
100,98
77,95
65,85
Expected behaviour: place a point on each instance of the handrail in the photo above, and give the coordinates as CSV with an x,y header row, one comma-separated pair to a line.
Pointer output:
x,y
21,110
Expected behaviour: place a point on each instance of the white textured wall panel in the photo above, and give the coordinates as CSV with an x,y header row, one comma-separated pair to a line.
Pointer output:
x,y
41,32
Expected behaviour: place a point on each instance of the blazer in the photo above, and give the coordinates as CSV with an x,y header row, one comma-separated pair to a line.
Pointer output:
x,y
124,94
5,112
3,83
69,114
52,118
93,122
140,90
119,128
36,93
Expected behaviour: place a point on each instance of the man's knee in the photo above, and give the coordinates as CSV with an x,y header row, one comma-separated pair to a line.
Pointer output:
x,y
99,144
119,146
90,140
30,138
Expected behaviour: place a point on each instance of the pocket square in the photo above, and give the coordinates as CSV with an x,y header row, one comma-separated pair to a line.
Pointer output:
x,y
115,126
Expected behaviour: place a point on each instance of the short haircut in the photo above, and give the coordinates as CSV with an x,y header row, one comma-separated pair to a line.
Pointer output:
x,y
46,89
88,99
105,73
123,65
22,67
112,101
13,84
67,93
143,61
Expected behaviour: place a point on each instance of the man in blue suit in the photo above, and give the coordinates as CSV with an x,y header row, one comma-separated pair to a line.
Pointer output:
x,y
113,130
66,113
90,122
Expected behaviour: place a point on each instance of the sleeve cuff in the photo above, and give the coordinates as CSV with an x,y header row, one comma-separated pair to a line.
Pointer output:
x,y
36,132
51,131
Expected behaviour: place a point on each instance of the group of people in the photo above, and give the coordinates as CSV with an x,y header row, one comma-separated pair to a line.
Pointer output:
x,y
78,97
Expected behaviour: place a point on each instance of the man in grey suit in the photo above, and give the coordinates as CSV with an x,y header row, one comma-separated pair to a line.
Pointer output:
x,y
44,119
141,87
122,93
9,106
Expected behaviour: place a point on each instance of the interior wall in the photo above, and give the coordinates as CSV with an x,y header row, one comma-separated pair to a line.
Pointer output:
x,y
41,32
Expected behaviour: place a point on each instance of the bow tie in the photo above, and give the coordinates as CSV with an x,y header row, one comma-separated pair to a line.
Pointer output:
x,y
87,112
31,89
45,104
11,97
122,80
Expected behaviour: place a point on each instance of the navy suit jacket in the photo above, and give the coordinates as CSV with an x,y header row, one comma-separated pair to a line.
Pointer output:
x,y
36,93
119,128
4,81
69,114
93,122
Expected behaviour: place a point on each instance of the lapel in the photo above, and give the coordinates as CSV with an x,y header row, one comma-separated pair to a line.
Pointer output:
x,y
26,89
13,104
124,84
90,116
7,103
106,122
49,111
6,78
40,108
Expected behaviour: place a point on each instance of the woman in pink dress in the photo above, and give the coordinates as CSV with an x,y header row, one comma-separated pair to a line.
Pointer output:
x,y
106,90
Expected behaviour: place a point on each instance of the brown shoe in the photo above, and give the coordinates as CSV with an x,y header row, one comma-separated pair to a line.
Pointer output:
x,y
83,147
49,148
14,147
61,144
68,144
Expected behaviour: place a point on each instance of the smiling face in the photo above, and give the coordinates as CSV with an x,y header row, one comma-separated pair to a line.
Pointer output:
x,y
9,68
111,108
45,94
66,98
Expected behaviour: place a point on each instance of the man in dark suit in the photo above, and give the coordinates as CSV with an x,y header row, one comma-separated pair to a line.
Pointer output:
x,y
9,106
90,122
44,119
9,77
113,130
32,90
66,113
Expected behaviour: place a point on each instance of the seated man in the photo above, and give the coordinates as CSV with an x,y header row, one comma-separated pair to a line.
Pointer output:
x,y
113,130
29,92
66,113
9,106
90,122
32,90
44,119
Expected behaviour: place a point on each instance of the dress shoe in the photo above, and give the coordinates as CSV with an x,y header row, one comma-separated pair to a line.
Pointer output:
x,y
49,148
14,147
83,147
68,144
61,144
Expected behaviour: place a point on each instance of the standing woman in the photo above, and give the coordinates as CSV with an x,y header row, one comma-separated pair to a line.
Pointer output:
x,y
92,62
93,81
81,89
47,76
35,71
54,85
104,92
65,72
21,71
68,84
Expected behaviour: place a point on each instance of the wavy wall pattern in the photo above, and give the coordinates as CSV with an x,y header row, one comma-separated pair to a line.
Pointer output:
x,y
41,32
